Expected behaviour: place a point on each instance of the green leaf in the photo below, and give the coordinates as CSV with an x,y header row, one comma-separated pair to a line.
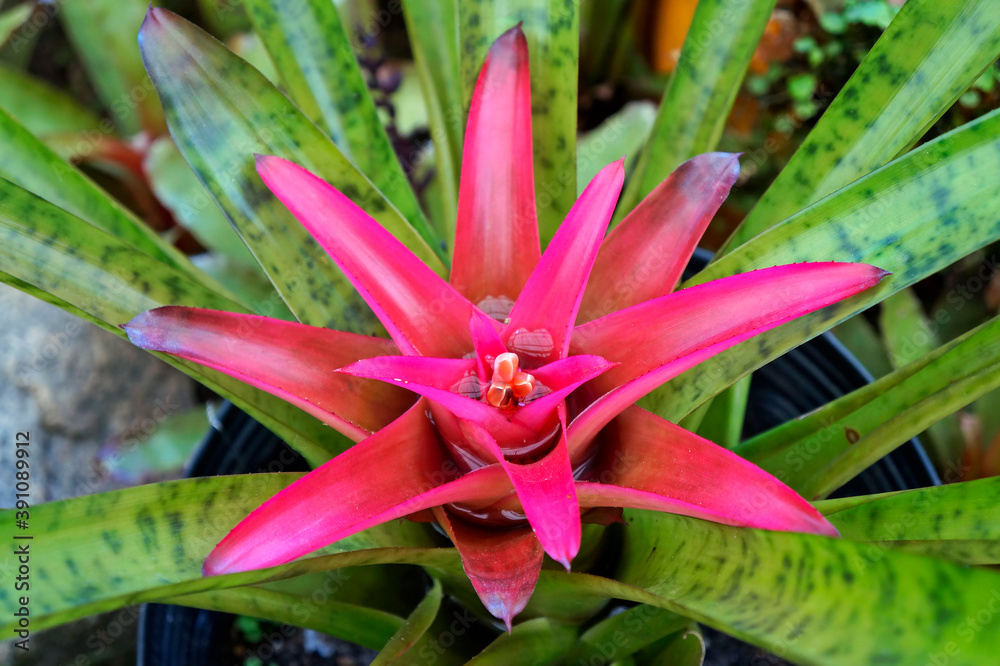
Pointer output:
x,y
139,455
178,188
62,259
685,648
625,634
100,552
863,341
13,19
622,133
28,163
913,217
432,26
955,522
701,92
800,595
225,18
909,334
313,56
930,54
415,626
820,452
248,46
552,29
722,422
102,33
536,642
221,111
318,608
43,109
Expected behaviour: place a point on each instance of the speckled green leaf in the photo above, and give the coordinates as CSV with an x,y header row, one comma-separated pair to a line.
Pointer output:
x,y
930,54
43,109
820,452
908,335
177,188
625,634
536,642
913,217
313,56
221,111
230,263
49,250
104,551
28,163
956,522
318,607
701,92
102,33
810,599
432,26
101,552
552,29
415,626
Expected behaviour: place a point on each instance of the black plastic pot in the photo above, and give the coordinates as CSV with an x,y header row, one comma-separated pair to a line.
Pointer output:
x,y
802,380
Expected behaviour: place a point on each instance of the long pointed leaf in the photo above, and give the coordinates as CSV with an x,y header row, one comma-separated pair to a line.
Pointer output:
x,y
432,26
929,55
311,51
73,263
552,29
955,522
913,217
103,35
43,109
816,453
221,111
415,626
103,551
800,595
701,92
28,163
320,612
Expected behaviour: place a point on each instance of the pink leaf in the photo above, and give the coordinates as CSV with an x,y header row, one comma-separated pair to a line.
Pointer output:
x,y
543,316
657,340
547,493
648,463
496,235
289,360
561,377
644,256
343,497
424,315
502,565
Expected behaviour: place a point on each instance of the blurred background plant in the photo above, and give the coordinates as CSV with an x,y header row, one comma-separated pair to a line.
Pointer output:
x,y
71,74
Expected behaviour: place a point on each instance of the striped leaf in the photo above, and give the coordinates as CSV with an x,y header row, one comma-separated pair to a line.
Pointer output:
x,y
311,51
552,29
929,55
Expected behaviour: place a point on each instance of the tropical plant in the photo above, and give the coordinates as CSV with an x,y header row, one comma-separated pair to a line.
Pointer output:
x,y
857,192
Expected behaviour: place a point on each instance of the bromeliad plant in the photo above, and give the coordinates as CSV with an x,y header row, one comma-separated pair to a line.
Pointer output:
x,y
524,384
501,404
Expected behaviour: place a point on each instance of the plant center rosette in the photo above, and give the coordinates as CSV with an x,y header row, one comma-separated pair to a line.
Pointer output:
x,y
502,404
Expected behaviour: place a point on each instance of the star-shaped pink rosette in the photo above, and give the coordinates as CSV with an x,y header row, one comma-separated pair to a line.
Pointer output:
x,y
504,401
